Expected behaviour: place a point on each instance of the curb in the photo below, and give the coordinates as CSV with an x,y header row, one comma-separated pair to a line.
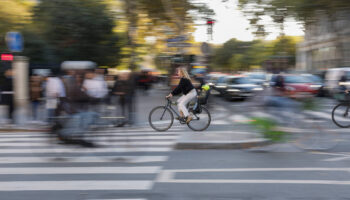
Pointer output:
x,y
243,144
22,130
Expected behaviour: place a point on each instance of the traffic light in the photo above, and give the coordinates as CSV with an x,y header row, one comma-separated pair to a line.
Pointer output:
x,y
6,57
210,21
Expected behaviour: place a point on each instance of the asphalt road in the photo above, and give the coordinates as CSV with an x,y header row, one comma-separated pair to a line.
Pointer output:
x,y
136,163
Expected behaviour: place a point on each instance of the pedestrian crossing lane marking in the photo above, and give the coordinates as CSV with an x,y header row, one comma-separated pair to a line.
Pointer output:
x,y
80,170
75,185
84,159
87,151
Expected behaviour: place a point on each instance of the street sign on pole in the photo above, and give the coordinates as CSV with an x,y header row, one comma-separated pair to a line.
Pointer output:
x,y
206,49
14,41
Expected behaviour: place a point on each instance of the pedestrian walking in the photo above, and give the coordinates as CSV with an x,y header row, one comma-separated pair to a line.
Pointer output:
x,y
7,93
125,88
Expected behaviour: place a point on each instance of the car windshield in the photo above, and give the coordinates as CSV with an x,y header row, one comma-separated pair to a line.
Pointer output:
x,y
257,76
296,79
315,79
242,80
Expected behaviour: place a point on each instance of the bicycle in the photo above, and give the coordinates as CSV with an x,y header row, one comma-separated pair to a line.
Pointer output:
x,y
303,127
340,113
161,118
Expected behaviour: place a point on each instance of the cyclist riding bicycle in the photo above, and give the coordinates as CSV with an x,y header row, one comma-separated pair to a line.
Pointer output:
x,y
189,93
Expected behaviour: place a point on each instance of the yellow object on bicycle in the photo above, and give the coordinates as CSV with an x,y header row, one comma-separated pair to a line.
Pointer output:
x,y
206,87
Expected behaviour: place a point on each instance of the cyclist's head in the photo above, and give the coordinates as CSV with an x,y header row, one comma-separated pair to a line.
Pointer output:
x,y
183,73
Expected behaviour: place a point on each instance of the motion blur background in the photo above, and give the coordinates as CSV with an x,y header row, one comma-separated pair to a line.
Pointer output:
x,y
119,59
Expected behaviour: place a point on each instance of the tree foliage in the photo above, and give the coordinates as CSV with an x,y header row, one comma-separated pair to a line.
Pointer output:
x,y
77,30
237,55
14,15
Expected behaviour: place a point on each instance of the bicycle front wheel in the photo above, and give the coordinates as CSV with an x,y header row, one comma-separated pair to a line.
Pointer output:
x,y
341,115
161,118
314,134
200,121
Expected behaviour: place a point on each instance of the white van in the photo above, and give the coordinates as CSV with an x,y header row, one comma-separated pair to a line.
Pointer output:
x,y
333,77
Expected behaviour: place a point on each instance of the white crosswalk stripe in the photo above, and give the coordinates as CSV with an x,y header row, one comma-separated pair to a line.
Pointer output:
x,y
122,153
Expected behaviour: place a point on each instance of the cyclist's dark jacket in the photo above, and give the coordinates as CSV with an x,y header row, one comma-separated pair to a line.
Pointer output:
x,y
185,86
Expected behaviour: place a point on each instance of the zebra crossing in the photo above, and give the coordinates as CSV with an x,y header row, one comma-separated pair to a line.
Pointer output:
x,y
129,161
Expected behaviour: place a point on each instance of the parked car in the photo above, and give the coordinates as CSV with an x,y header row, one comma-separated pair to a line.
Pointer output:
x,y
241,87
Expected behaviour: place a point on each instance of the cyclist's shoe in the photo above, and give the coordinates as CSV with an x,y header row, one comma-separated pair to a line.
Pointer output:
x,y
188,119
180,118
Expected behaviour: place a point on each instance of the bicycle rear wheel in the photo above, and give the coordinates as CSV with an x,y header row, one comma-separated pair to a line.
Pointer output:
x,y
161,118
341,115
200,121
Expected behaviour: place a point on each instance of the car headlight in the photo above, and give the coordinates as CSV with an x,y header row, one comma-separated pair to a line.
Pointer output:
x,y
315,86
257,89
221,86
233,90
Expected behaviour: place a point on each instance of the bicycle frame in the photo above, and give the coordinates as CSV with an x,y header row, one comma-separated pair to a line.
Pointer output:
x,y
174,111
171,108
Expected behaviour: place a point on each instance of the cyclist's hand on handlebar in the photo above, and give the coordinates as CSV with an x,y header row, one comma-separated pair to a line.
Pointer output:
x,y
169,96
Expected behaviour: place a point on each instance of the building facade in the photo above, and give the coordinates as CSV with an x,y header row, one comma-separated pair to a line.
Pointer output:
x,y
326,44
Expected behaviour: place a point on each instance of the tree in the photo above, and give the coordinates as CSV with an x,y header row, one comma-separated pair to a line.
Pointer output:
x,y
13,16
78,30
237,55
166,17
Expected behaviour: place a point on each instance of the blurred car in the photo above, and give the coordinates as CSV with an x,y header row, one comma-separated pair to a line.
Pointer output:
x,y
220,85
212,78
241,87
259,78
333,77
318,83
298,86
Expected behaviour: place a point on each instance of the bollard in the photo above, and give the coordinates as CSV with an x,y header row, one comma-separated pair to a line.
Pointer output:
x,y
21,89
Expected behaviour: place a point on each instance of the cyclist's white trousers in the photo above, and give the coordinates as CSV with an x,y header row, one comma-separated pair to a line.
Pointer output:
x,y
184,100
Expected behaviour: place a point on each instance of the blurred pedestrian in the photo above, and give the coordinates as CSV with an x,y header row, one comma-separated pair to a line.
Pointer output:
x,y
96,88
54,92
144,81
35,95
124,87
7,93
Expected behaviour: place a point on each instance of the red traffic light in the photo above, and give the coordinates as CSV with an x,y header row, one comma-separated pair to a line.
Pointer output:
x,y
210,21
6,57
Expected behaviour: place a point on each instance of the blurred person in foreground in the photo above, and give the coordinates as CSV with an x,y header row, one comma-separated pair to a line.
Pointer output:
x,y
124,87
7,93
189,93
54,93
95,86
